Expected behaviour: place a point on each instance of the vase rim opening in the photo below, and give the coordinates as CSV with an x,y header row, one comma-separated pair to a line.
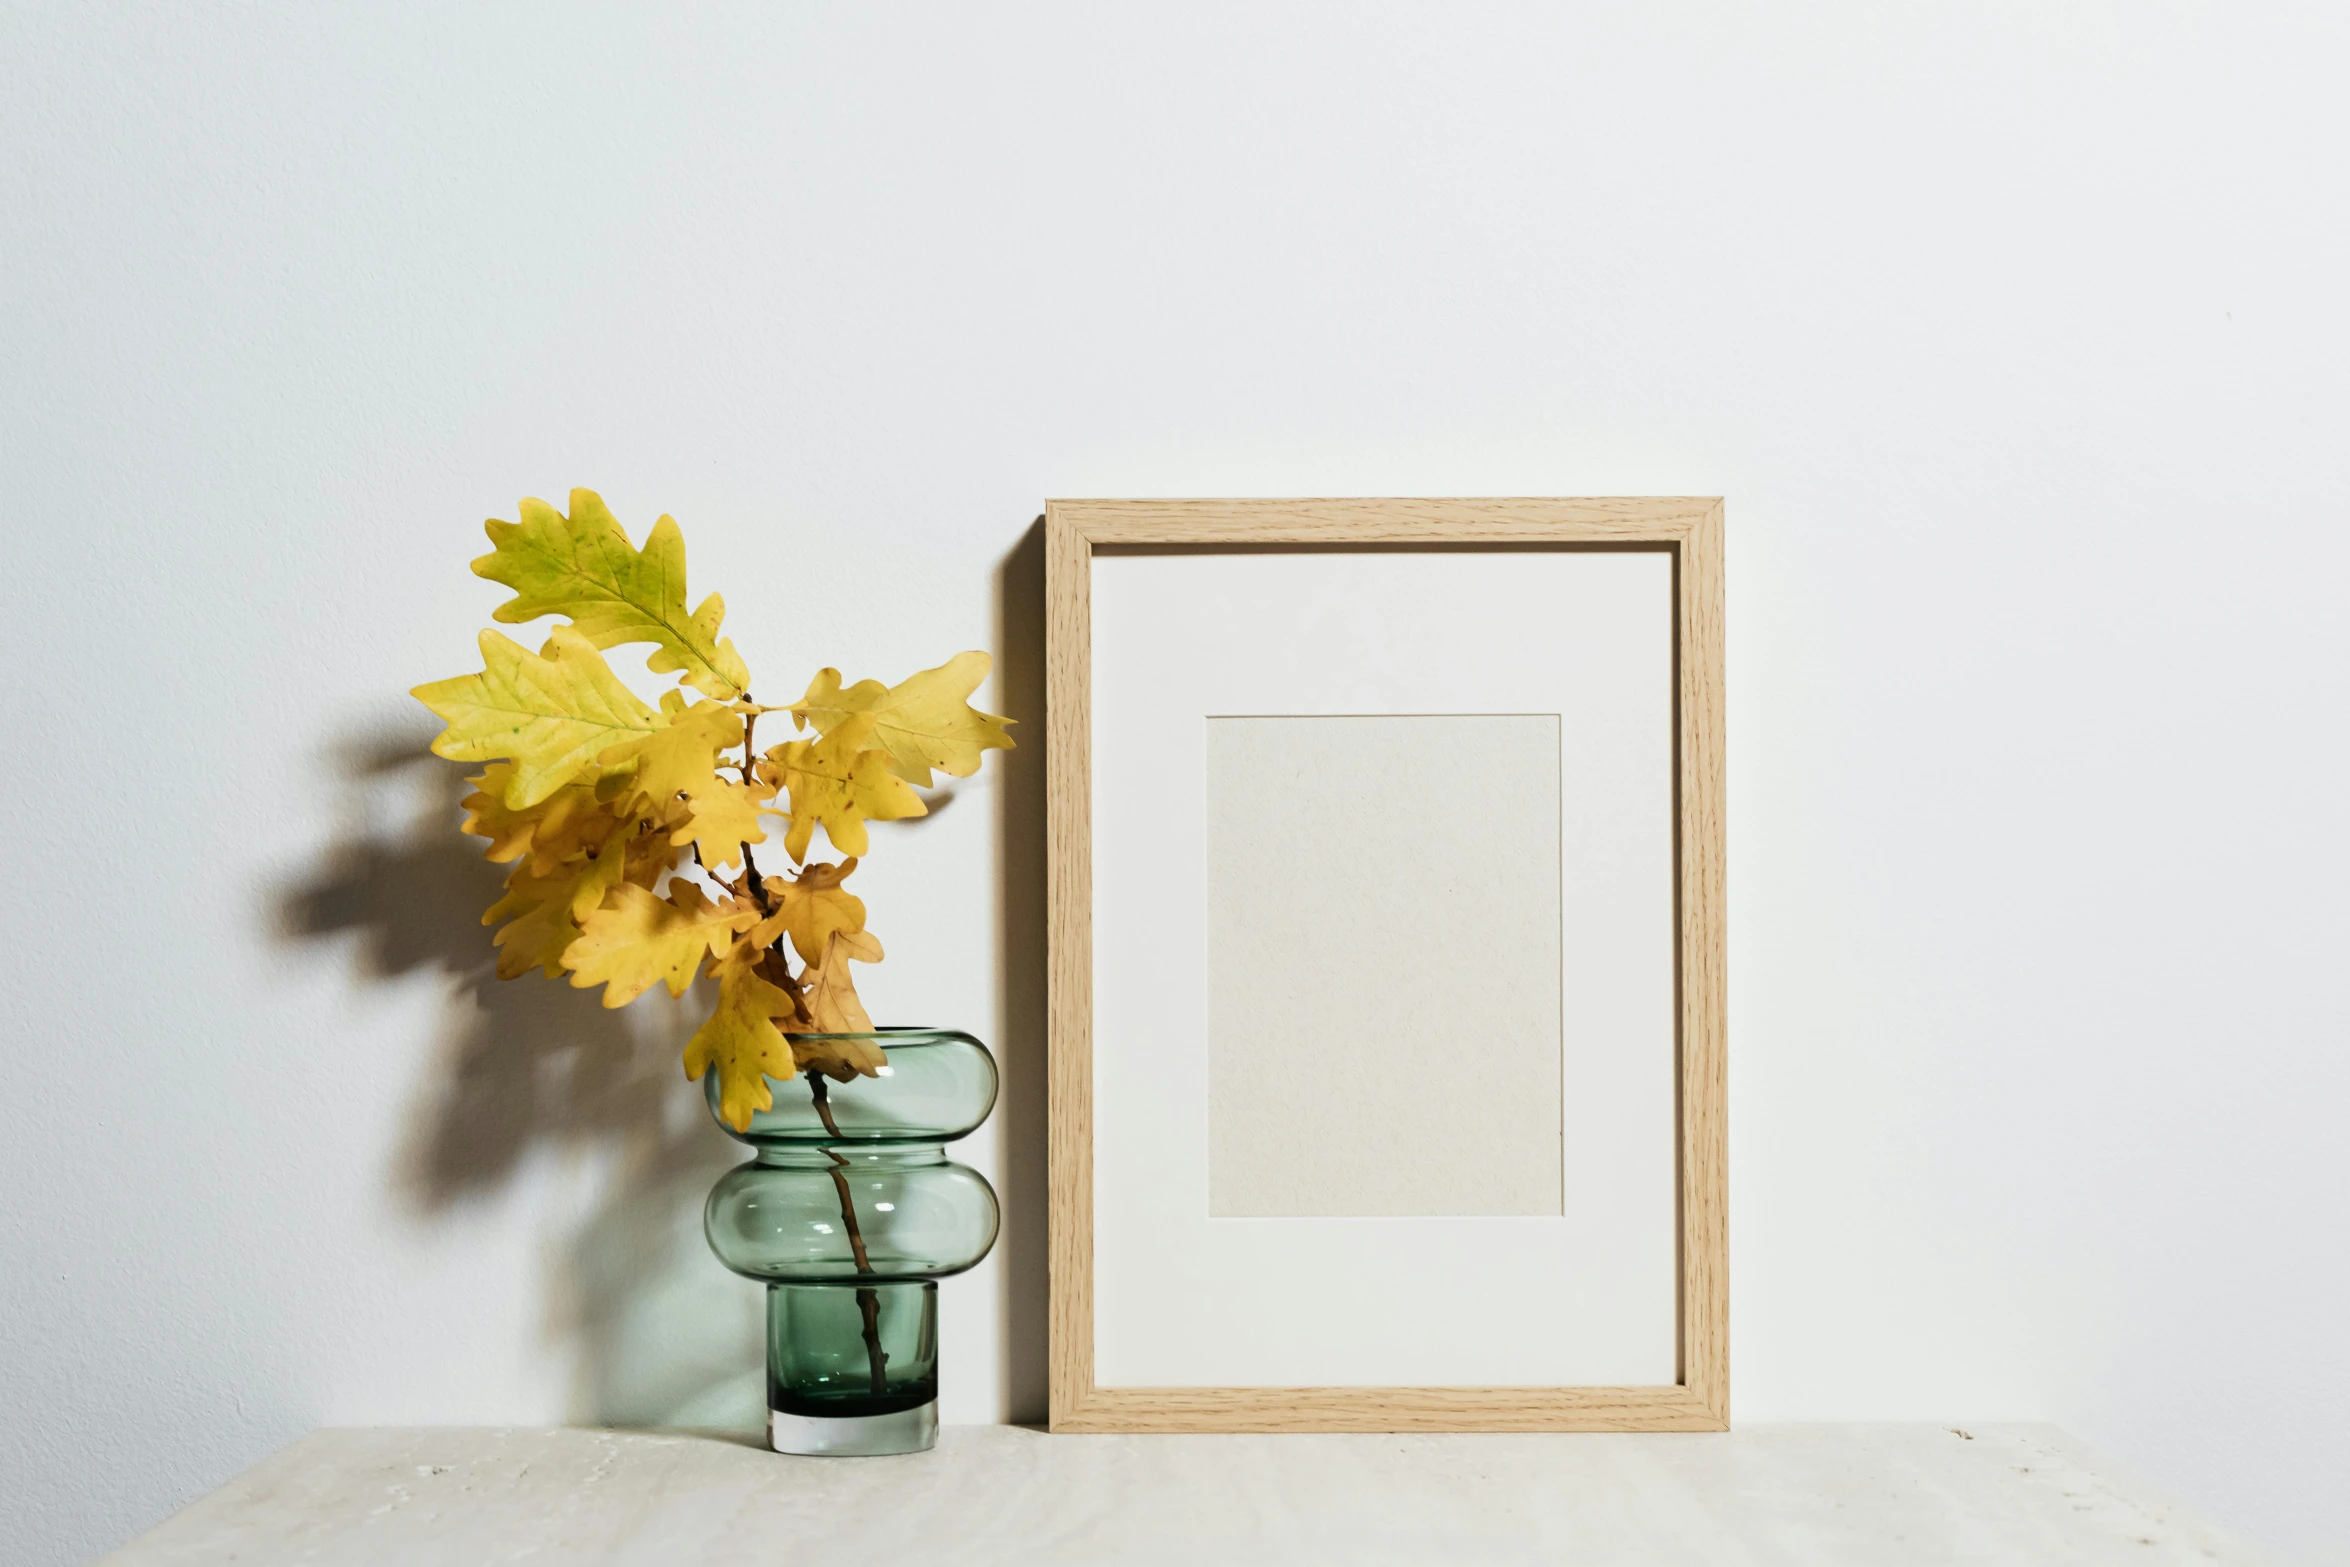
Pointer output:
x,y
901,1032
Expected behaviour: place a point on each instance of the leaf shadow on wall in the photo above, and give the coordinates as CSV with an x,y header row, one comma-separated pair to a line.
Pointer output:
x,y
531,1069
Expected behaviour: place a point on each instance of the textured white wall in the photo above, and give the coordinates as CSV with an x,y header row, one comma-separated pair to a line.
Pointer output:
x,y
2013,333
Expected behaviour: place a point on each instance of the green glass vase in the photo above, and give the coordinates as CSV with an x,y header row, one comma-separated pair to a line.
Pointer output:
x,y
849,1212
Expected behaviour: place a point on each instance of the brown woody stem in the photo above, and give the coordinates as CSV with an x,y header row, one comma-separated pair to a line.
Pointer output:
x,y
758,882
751,866
868,1299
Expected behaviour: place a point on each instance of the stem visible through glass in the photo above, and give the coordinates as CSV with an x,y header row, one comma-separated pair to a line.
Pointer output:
x,y
868,1299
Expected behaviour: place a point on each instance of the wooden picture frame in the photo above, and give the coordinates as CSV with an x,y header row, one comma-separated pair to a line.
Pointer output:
x,y
1690,530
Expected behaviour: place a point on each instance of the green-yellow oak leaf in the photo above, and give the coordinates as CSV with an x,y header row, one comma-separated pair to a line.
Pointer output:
x,y
553,713
636,941
583,566
740,1040
923,721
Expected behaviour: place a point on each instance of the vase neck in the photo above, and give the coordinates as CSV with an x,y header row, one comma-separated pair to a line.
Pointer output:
x,y
854,1156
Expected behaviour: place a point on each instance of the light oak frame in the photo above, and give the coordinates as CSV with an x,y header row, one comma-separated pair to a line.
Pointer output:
x,y
1690,529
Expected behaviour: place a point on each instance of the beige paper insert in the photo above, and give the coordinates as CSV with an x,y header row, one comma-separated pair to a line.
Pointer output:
x,y
1383,966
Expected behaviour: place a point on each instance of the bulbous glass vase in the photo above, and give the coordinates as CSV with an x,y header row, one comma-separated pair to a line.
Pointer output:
x,y
849,1213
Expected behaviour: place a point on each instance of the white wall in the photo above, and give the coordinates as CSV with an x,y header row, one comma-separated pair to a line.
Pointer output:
x,y
2014,335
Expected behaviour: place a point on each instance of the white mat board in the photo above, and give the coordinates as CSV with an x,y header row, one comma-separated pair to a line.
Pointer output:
x,y
1582,1295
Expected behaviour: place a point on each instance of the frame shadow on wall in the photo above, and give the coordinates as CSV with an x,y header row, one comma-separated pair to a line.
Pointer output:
x,y
1020,1037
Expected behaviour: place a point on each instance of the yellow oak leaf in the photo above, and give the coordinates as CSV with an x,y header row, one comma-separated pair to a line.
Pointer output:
x,y
809,908
740,1040
566,825
720,818
537,938
682,755
487,815
645,857
553,715
543,911
830,996
839,781
650,857
923,721
583,566
636,941
580,830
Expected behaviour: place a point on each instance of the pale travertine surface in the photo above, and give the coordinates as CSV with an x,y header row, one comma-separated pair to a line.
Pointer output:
x,y
1805,1496
1383,966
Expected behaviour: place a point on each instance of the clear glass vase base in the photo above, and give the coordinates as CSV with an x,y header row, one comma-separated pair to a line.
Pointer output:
x,y
854,1436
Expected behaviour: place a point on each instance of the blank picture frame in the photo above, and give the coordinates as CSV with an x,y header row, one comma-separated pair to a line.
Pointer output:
x,y
1387,965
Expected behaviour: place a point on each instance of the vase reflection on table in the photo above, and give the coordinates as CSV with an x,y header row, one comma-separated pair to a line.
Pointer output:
x,y
850,1212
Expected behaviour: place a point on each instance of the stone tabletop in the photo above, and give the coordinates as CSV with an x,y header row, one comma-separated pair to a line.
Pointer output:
x,y
1811,1494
